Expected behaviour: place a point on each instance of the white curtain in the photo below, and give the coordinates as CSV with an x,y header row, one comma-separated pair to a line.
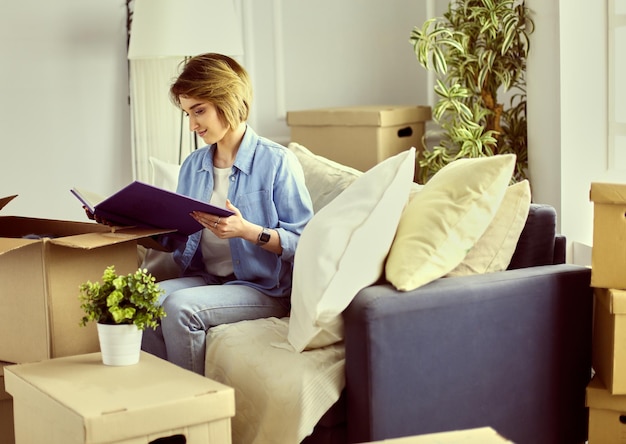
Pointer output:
x,y
158,127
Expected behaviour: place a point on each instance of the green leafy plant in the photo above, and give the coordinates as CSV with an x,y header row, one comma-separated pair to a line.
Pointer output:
x,y
125,299
478,49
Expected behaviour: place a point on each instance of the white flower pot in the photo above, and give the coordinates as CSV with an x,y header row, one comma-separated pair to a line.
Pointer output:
x,y
120,344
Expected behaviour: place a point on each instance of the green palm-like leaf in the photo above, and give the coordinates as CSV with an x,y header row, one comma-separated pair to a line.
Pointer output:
x,y
478,48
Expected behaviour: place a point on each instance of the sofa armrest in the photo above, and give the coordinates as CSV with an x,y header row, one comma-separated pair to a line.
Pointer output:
x,y
510,350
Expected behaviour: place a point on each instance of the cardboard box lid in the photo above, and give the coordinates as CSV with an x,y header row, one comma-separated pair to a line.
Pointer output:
x,y
613,299
598,397
118,403
482,435
376,115
608,193
5,200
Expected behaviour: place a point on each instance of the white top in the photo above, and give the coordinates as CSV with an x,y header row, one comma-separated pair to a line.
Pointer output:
x,y
216,251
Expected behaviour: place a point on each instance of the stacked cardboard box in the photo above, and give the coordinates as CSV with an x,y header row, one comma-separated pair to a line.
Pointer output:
x,y
77,400
606,394
360,136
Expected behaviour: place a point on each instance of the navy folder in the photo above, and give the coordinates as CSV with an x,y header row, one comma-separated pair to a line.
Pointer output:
x,y
143,205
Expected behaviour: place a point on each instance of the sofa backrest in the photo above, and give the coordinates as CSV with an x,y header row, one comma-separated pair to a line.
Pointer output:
x,y
538,244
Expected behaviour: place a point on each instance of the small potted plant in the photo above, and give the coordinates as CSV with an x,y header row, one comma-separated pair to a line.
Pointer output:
x,y
123,306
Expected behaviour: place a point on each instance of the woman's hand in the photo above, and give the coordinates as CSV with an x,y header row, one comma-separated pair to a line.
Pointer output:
x,y
225,227
92,216
237,226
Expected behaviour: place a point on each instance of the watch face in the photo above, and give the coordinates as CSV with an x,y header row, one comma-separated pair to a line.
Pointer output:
x,y
265,237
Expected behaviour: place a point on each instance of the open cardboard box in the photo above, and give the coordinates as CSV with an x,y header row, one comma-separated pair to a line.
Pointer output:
x,y
39,279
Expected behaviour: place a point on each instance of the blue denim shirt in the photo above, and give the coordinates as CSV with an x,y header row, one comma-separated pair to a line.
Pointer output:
x,y
267,186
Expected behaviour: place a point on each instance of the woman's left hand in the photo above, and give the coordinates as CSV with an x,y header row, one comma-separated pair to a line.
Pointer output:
x,y
223,227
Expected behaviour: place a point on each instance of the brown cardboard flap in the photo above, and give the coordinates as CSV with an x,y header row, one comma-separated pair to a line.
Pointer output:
x,y
96,240
5,200
377,115
608,193
9,244
18,226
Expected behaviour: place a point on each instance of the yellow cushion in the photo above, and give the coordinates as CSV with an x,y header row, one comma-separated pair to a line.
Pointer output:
x,y
446,218
495,248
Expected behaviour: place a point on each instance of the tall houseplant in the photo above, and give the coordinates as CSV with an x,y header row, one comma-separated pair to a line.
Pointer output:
x,y
478,50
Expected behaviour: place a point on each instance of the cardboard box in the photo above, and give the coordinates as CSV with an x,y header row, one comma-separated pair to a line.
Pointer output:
x,y
359,137
483,435
6,411
39,279
606,415
77,399
608,254
609,339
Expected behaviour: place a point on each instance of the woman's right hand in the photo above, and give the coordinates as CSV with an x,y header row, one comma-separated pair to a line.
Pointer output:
x,y
92,216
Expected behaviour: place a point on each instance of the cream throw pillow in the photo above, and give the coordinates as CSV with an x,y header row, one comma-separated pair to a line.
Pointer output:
x,y
446,218
495,248
343,249
325,179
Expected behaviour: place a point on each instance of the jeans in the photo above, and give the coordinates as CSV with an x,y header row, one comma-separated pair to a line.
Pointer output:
x,y
192,307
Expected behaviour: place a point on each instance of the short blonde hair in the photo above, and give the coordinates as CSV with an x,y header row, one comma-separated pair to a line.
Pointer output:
x,y
217,79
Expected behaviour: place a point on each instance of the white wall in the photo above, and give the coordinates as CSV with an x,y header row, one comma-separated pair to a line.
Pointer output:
x,y
65,119
304,54
65,115
567,108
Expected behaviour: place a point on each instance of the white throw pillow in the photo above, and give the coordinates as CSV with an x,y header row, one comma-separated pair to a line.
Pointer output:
x,y
446,218
343,249
325,179
164,174
495,248
161,263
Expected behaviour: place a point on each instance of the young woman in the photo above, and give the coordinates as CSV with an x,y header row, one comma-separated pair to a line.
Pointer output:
x,y
238,267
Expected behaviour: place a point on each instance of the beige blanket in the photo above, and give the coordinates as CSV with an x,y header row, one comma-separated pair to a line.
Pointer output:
x,y
279,394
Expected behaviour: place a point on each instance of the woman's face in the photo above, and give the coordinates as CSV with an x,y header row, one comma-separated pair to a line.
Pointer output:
x,y
204,119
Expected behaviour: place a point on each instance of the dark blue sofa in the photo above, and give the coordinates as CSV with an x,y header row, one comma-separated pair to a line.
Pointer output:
x,y
510,350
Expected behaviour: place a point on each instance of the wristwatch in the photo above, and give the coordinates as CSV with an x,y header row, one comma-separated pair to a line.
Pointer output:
x,y
264,236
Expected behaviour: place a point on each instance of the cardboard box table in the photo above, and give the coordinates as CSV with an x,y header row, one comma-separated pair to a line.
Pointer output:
x,y
606,414
609,338
362,136
6,411
42,264
482,435
608,254
77,399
